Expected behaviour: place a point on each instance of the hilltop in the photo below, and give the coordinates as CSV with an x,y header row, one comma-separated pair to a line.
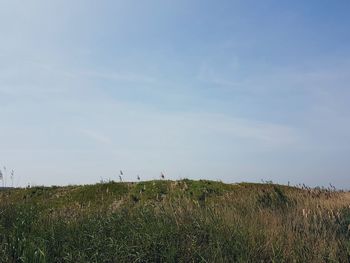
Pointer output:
x,y
174,221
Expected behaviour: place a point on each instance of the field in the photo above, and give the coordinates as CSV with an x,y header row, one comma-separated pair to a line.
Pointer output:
x,y
174,221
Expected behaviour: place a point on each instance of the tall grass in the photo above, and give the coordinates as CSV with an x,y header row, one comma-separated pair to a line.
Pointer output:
x,y
183,221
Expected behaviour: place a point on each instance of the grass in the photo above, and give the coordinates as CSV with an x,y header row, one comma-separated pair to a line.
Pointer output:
x,y
174,221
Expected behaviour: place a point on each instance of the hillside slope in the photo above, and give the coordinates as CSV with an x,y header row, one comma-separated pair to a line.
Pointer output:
x,y
174,221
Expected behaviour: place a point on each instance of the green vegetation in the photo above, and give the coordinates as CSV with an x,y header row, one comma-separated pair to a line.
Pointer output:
x,y
181,221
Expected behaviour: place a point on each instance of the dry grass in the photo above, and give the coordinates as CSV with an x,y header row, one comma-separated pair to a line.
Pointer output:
x,y
183,221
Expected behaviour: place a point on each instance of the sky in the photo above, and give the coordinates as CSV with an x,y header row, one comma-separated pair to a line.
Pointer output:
x,y
220,90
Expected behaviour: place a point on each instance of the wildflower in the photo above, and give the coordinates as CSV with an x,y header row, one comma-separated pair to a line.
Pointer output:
x,y
304,213
120,176
12,175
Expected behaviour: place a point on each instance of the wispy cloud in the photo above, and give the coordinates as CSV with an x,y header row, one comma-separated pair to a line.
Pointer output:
x,y
118,76
265,133
96,136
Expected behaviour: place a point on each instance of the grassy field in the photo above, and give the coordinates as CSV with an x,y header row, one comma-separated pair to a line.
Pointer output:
x,y
174,221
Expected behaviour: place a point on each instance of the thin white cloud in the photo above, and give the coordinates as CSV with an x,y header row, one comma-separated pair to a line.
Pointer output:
x,y
96,136
266,133
118,76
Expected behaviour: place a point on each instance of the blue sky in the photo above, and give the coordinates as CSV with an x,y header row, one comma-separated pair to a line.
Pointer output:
x,y
222,90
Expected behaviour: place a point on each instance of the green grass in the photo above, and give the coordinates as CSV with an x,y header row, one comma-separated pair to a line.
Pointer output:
x,y
174,221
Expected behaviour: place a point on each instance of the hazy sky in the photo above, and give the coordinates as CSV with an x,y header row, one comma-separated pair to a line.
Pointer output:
x,y
222,90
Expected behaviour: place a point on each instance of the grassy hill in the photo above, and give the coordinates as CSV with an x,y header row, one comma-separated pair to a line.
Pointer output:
x,y
174,221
